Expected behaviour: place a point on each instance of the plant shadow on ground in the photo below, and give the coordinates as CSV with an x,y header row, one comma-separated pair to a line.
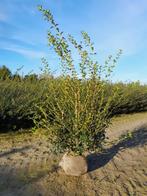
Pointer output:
x,y
97,160
14,179
14,150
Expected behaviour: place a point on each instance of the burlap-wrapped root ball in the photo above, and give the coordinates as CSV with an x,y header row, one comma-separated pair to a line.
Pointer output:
x,y
73,165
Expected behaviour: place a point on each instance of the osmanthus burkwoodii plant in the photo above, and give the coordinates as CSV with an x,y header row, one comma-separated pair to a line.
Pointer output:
x,y
78,106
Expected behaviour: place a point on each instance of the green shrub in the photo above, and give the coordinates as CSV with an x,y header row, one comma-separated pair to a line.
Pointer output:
x,y
18,99
79,106
134,98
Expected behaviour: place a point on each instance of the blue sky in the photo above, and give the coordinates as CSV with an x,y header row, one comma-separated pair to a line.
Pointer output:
x,y
112,24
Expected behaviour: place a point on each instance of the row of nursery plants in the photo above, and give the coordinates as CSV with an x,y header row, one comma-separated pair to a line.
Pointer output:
x,y
18,100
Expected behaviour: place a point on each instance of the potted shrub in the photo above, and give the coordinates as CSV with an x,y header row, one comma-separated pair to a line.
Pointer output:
x,y
79,107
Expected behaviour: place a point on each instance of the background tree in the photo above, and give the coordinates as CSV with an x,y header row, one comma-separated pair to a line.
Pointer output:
x,y
31,77
16,77
5,73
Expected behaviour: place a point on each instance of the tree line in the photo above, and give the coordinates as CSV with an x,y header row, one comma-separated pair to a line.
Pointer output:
x,y
5,74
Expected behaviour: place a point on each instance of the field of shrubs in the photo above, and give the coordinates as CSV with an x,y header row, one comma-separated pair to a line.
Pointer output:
x,y
20,98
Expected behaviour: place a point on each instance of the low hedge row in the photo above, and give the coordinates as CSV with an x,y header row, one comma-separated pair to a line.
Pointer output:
x,y
18,100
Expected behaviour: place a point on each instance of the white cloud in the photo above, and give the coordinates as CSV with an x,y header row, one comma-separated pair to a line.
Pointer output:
x,y
27,52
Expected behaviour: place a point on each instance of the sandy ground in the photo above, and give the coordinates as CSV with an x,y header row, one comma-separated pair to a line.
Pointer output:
x,y
27,168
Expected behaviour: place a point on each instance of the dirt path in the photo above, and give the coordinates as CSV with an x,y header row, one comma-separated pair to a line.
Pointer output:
x,y
27,168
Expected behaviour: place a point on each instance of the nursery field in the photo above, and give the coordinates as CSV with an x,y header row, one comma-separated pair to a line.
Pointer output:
x,y
27,167
71,126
